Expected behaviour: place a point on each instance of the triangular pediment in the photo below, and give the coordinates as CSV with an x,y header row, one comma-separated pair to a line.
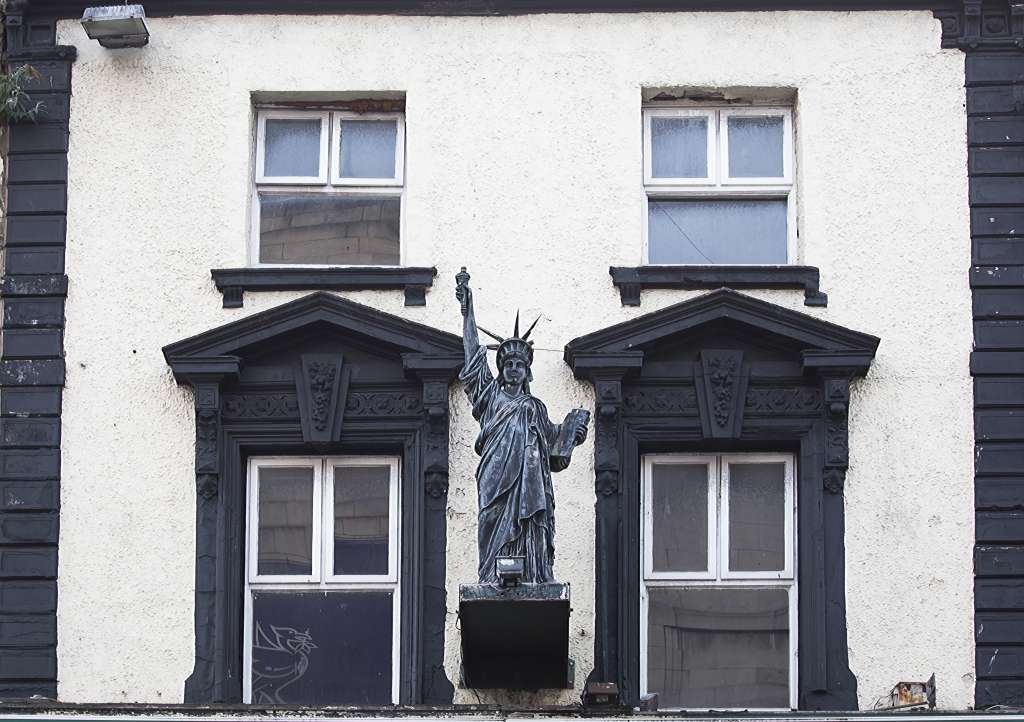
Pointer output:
x,y
820,343
276,326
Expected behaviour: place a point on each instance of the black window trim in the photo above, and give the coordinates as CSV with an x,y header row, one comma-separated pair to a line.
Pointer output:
x,y
806,413
408,419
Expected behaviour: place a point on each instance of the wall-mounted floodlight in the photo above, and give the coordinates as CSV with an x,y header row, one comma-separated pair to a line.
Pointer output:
x,y
117,26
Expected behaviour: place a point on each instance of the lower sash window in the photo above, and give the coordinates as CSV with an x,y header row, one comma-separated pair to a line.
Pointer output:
x,y
322,605
718,597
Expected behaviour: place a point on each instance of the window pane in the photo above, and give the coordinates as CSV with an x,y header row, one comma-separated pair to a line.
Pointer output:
x,y
291,148
718,648
679,147
285,543
757,517
361,519
328,228
368,148
717,231
679,499
755,146
321,648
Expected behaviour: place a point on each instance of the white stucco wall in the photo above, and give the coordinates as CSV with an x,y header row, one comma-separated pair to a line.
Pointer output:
x,y
523,163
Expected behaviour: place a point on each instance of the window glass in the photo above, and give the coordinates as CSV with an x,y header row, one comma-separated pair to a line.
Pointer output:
x,y
703,231
679,147
679,500
368,148
292,147
755,146
327,228
361,519
322,648
757,517
719,648
285,543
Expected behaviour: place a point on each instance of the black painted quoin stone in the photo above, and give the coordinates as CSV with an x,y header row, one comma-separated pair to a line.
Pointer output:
x,y
724,372
320,375
992,35
34,289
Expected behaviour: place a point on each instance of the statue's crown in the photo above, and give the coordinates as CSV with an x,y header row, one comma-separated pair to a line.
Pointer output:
x,y
514,345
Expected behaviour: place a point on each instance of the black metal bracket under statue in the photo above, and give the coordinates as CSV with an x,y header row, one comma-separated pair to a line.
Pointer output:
x,y
515,637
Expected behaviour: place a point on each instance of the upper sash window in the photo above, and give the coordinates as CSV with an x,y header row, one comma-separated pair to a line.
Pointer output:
x,y
328,188
718,185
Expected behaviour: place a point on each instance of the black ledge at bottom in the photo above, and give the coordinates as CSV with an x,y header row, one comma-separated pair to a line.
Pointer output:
x,y
232,282
630,280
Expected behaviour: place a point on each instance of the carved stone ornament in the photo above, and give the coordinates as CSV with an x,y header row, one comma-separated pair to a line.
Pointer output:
x,y
979,25
321,387
721,379
436,484
206,485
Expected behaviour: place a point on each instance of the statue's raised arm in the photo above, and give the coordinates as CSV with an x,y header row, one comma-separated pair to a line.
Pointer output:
x,y
519,447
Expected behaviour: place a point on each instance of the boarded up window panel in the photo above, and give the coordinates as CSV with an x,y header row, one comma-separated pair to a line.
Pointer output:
x,y
322,648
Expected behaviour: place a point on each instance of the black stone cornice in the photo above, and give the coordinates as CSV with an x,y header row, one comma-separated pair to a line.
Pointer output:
x,y
164,8
983,25
415,281
630,280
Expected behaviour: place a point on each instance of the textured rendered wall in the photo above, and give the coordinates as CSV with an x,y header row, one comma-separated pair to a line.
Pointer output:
x,y
523,163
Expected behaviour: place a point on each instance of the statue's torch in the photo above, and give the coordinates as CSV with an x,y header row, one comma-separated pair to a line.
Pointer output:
x,y
461,286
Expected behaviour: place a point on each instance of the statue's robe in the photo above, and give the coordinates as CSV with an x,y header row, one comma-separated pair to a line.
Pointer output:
x,y
517,503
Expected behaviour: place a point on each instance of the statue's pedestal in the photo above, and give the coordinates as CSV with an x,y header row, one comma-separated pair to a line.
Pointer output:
x,y
515,637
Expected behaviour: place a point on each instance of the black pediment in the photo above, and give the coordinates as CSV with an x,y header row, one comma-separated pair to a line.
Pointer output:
x,y
302,359
321,314
722,320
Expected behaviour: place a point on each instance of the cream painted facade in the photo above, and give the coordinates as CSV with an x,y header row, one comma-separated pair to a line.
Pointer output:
x,y
523,162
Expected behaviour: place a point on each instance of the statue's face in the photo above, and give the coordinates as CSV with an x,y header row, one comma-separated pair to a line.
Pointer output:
x,y
514,371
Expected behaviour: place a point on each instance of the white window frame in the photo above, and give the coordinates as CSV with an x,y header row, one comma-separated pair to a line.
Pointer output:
x,y
787,579
712,150
261,138
718,185
787,145
330,464
336,140
329,181
323,559
711,465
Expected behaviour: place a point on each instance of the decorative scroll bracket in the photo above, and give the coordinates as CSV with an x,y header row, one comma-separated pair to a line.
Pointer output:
x,y
205,375
435,373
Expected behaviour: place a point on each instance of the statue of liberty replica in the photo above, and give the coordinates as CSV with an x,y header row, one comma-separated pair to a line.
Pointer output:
x,y
519,448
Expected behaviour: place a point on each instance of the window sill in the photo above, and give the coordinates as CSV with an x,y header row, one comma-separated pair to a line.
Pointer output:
x,y
232,282
630,280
